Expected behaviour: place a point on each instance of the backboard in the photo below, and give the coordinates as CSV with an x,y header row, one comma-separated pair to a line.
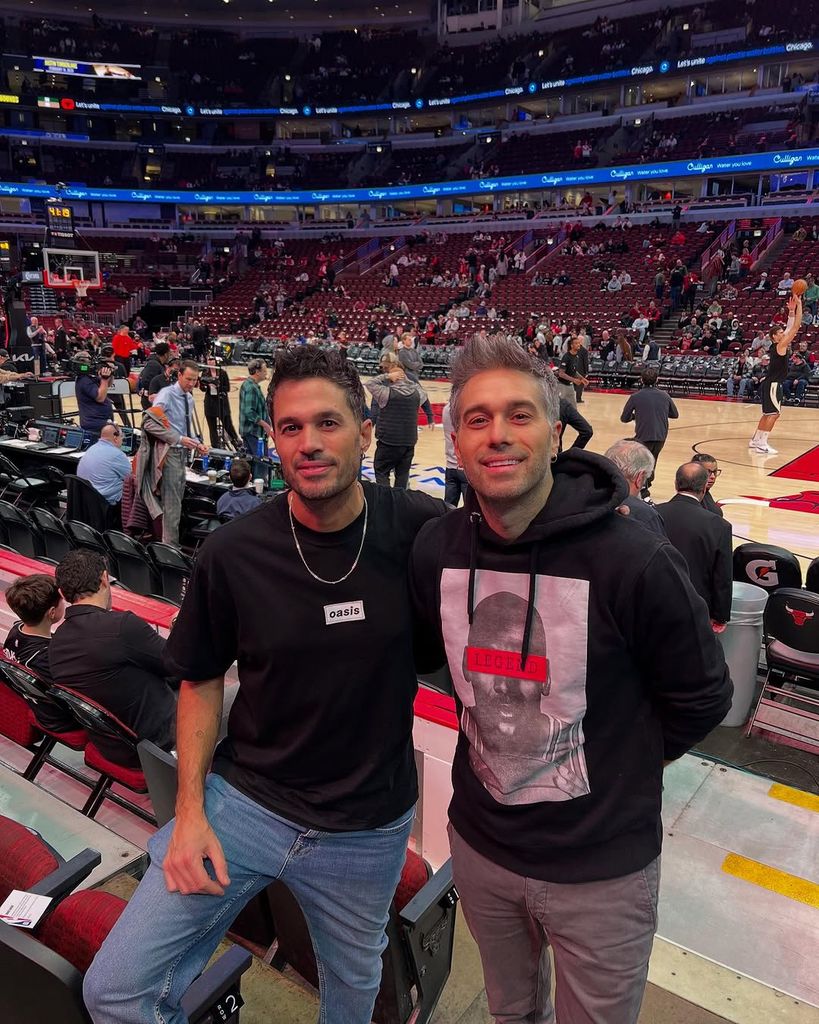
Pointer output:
x,y
69,268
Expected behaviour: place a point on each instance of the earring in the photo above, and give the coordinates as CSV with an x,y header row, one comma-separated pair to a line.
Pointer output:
x,y
554,458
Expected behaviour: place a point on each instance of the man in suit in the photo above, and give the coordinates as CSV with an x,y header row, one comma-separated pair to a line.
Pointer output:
x,y
713,470
703,539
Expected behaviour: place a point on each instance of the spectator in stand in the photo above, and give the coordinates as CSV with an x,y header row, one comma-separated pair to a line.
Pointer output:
x,y
795,384
762,285
38,605
786,283
739,379
105,466
393,275
811,297
124,347
640,324
675,283
758,374
398,399
659,285
242,496
113,657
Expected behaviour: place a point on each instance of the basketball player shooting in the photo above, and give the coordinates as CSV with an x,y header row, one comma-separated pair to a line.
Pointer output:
x,y
771,390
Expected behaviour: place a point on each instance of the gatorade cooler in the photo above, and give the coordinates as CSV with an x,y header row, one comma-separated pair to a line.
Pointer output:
x,y
741,642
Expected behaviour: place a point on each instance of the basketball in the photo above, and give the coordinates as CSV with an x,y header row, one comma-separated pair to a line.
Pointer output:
x,y
800,286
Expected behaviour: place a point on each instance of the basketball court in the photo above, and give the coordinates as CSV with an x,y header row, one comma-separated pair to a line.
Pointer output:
x,y
769,498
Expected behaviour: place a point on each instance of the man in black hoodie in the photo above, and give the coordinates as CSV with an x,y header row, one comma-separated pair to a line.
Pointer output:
x,y
581,659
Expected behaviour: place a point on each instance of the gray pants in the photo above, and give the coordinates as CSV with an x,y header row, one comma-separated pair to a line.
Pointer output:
x,y
173,490
567,391
601,934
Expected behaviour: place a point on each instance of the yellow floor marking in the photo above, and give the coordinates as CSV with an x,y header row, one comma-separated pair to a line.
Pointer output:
x,y
797,797
795,888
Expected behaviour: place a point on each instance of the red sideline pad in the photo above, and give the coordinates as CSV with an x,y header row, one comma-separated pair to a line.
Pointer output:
x,y
153,612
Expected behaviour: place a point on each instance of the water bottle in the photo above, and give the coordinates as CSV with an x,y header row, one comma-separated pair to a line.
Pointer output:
x,y
205,464
228,464
259,447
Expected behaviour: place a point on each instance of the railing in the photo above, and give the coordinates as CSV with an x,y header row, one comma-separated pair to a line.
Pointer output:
x,y
178,296
767,240
710,254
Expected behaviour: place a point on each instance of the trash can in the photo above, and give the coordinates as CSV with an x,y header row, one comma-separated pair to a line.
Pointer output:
x,y
740,645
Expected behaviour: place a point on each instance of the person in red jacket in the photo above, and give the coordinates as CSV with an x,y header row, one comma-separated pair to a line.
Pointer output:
x,y
124,346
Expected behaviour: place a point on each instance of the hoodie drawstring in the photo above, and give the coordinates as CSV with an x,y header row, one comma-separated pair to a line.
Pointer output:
x,y
530,607
474,521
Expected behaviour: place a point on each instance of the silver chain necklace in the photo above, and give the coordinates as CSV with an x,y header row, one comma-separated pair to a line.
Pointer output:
x,y
352,568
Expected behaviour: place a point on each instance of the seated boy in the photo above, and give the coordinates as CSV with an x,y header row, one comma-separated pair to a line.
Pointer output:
x,y
241,497
39,606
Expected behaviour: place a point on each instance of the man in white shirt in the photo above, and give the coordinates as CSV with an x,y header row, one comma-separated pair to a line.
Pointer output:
x,y
640,325
786,283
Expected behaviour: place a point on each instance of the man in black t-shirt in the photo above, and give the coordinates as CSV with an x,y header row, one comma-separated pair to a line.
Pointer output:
x,y
37,602
315,783
568,372
113,657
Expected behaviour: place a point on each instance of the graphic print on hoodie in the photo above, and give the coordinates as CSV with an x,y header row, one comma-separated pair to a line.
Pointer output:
x,y
524,722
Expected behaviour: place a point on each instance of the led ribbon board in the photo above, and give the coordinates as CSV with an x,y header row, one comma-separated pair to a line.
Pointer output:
x,y
750,163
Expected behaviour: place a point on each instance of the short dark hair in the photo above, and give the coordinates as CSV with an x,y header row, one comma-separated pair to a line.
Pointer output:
x,y
691,477
161,348
79,574
32,597
306,361
649,376
189,364
239,472
703,457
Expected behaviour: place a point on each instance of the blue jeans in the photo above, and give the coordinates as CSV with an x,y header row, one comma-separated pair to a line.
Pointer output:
x,y
343,881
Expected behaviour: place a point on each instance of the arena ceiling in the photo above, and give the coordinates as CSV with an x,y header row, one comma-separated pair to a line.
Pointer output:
x,y
233,14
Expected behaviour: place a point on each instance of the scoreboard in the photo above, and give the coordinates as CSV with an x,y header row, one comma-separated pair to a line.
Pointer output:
x,y
60,222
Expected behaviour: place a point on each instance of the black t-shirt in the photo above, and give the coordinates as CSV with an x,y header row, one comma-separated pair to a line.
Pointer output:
x,y
568,364
321,729
32,653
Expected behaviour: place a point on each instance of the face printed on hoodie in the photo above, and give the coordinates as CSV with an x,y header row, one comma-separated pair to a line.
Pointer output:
x,y
515,744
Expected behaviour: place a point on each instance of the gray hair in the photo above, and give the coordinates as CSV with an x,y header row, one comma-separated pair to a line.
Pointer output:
x,y
631,458
499,352
255,365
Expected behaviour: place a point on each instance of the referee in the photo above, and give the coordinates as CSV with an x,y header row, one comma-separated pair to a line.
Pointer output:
x,y
771,387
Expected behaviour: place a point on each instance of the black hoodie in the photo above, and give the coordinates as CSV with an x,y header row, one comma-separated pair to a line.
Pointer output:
x,y
581,657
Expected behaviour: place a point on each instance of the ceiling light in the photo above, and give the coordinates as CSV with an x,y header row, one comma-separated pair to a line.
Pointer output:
x,y
540,53
685,26
413,71
287,78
